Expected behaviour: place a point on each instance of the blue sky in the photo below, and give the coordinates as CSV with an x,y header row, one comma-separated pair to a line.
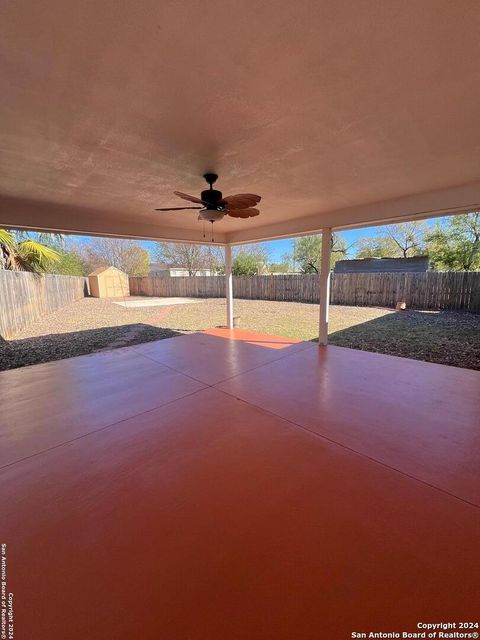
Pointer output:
x,y
279,247
276,248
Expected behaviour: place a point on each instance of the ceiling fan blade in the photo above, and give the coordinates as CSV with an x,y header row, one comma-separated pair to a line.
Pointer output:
x,y
185,196
243,213
240,201
177,208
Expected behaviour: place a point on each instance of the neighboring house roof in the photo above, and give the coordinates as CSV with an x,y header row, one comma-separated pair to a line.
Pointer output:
x,y
102,269
158,266
383,265
161,266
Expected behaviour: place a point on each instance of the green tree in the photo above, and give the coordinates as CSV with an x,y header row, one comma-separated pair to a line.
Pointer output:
x,y
19,252
70,263
455,245
287,258
245,264
307,252
250,259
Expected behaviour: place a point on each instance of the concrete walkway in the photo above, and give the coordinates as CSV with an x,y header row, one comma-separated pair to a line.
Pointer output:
x,y
154,302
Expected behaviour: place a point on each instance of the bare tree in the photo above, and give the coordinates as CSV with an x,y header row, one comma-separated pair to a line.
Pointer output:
x,y
401,240
190,256
258,250
195,257
126,255
408,237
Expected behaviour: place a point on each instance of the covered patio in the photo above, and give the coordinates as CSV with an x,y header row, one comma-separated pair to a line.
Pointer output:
x,y
226,484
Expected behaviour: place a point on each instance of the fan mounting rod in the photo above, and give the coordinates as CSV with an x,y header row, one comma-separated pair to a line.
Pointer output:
x,y
210,178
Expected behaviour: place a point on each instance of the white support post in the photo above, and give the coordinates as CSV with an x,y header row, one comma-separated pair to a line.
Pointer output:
x,y
325,285
229,285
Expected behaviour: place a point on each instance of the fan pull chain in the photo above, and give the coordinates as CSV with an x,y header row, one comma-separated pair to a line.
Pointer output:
x,y
212,232
203,222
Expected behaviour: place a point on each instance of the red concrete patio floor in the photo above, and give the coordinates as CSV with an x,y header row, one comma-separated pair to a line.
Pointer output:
x,y
230,485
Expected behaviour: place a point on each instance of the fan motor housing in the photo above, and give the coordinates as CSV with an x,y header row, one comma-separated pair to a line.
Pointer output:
x,y
211,197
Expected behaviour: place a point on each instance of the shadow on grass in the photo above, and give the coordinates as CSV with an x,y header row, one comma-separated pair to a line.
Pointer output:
x,y
444,337
57,346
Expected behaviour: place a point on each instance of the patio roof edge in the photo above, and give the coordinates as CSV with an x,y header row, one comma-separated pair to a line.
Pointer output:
x,y
454,200
16,213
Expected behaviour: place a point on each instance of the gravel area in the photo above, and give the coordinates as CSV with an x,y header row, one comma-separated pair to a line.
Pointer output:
x,y
94,324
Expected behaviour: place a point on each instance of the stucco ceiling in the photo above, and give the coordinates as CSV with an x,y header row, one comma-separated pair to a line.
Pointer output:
x,y
319,107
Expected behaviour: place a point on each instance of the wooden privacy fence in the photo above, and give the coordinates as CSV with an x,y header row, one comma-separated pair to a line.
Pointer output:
x,y
26,297
430,290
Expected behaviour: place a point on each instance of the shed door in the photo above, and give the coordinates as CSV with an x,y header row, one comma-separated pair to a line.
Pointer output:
x,y
113,286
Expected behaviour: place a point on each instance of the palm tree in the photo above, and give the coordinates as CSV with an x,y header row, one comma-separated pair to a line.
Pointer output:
x,y
23,253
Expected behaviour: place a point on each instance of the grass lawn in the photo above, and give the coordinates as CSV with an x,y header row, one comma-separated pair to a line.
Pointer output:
x,y
91,325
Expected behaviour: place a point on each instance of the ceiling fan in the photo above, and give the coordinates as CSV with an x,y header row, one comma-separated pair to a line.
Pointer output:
x,y
215,206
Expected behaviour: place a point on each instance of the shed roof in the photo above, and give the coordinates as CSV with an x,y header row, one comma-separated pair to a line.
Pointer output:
x,y
103,269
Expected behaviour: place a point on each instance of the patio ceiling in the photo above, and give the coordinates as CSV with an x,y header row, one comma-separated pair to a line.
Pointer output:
x,y
322,108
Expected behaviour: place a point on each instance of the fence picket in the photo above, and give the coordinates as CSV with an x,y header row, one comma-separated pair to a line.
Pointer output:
x,y
430,290
25,297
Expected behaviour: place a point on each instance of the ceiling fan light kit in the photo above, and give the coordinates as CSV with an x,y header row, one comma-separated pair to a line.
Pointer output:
x,y
214,206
